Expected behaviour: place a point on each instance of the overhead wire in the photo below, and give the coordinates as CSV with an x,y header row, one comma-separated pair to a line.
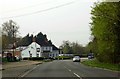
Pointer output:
x,y
35,5
40,11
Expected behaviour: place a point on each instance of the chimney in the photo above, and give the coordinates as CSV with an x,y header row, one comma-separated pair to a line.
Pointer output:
x,y
33,39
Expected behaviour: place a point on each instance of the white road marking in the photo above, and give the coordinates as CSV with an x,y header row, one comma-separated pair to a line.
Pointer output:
x,y
77,75
70,70
29,71
73,72
67,69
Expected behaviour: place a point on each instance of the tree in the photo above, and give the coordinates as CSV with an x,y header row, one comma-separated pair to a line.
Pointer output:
x,y
25,41
0,39
77,49
72,48
42,39
10,29
66,48
4,42
105,28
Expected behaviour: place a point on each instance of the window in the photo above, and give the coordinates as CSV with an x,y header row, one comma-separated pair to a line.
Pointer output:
x,y
37,55
30,55
47,48
38,49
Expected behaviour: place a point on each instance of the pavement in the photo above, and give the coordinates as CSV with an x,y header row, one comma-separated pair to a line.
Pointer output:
x,y
18,64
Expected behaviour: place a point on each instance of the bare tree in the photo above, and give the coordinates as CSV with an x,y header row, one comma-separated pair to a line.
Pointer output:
x,y
10,29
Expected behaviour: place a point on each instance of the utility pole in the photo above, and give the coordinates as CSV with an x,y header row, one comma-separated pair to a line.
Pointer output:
x,y
13,45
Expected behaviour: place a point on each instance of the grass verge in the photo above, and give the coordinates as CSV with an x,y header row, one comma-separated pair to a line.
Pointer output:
x,y
96,63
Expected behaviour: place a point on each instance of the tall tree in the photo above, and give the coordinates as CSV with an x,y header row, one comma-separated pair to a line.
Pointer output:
x,y
72,48
105,28
42,39
66,47
10,29
77,48
0,44
25,41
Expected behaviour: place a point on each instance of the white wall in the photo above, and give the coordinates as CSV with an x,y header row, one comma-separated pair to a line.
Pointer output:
x,y
54,53
47,48
33,50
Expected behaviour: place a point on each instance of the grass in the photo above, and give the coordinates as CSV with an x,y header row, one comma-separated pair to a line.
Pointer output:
x,y
96,63
63,57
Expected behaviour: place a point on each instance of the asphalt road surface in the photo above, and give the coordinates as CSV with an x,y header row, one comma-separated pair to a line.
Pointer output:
x,y
65,69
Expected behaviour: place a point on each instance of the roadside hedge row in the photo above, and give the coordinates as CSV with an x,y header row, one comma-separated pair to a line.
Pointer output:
x,y
34,58
63,57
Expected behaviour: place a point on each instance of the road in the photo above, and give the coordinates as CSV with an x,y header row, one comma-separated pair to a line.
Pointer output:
x,y
64,68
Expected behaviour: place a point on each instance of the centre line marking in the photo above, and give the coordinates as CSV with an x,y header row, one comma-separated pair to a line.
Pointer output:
x,y
67,69
77,75
70,70
73,72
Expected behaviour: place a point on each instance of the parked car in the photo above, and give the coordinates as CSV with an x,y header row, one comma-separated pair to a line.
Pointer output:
x,y
76,59
90,57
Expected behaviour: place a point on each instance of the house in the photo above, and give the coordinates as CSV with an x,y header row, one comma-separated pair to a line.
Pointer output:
x,y
10,51
36,50
33,50
40,47
54,53
46,50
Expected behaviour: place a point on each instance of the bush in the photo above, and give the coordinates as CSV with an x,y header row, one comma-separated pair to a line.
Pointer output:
x,y
34,58
96,63
4,59
37,58
81,55
63,57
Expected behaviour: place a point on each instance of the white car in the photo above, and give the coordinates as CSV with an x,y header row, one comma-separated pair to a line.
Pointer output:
x,y
76,58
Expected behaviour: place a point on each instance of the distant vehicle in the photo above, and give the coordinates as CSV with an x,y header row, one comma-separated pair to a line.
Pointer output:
x,y
90,56
76,59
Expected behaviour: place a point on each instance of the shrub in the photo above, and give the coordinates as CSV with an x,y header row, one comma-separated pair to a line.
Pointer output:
x,y
34,58
63,57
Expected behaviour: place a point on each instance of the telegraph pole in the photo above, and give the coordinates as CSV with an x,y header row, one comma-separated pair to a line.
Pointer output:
x,y
13,45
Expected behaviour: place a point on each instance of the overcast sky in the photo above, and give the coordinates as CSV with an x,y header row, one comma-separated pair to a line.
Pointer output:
x,y
58,19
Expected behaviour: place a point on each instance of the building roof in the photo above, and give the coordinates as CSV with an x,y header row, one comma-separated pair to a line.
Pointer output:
x,y
54,47
44,44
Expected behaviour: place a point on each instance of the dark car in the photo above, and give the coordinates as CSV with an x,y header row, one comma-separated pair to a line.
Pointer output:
x,y
90,56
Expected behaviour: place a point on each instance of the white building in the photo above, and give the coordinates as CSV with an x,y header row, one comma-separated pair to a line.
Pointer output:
x,y
55,52
33,50
36,50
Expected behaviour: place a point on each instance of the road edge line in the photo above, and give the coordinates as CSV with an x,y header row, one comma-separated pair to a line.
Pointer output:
x,y
28,71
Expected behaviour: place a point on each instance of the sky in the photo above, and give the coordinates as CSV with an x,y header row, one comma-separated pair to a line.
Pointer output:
x,y
60,20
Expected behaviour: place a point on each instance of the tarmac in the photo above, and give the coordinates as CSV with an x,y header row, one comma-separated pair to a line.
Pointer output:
x,y
8,65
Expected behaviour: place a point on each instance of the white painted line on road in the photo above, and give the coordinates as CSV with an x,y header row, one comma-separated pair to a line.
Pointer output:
x,y
29,71
67,69
77,75
73,72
